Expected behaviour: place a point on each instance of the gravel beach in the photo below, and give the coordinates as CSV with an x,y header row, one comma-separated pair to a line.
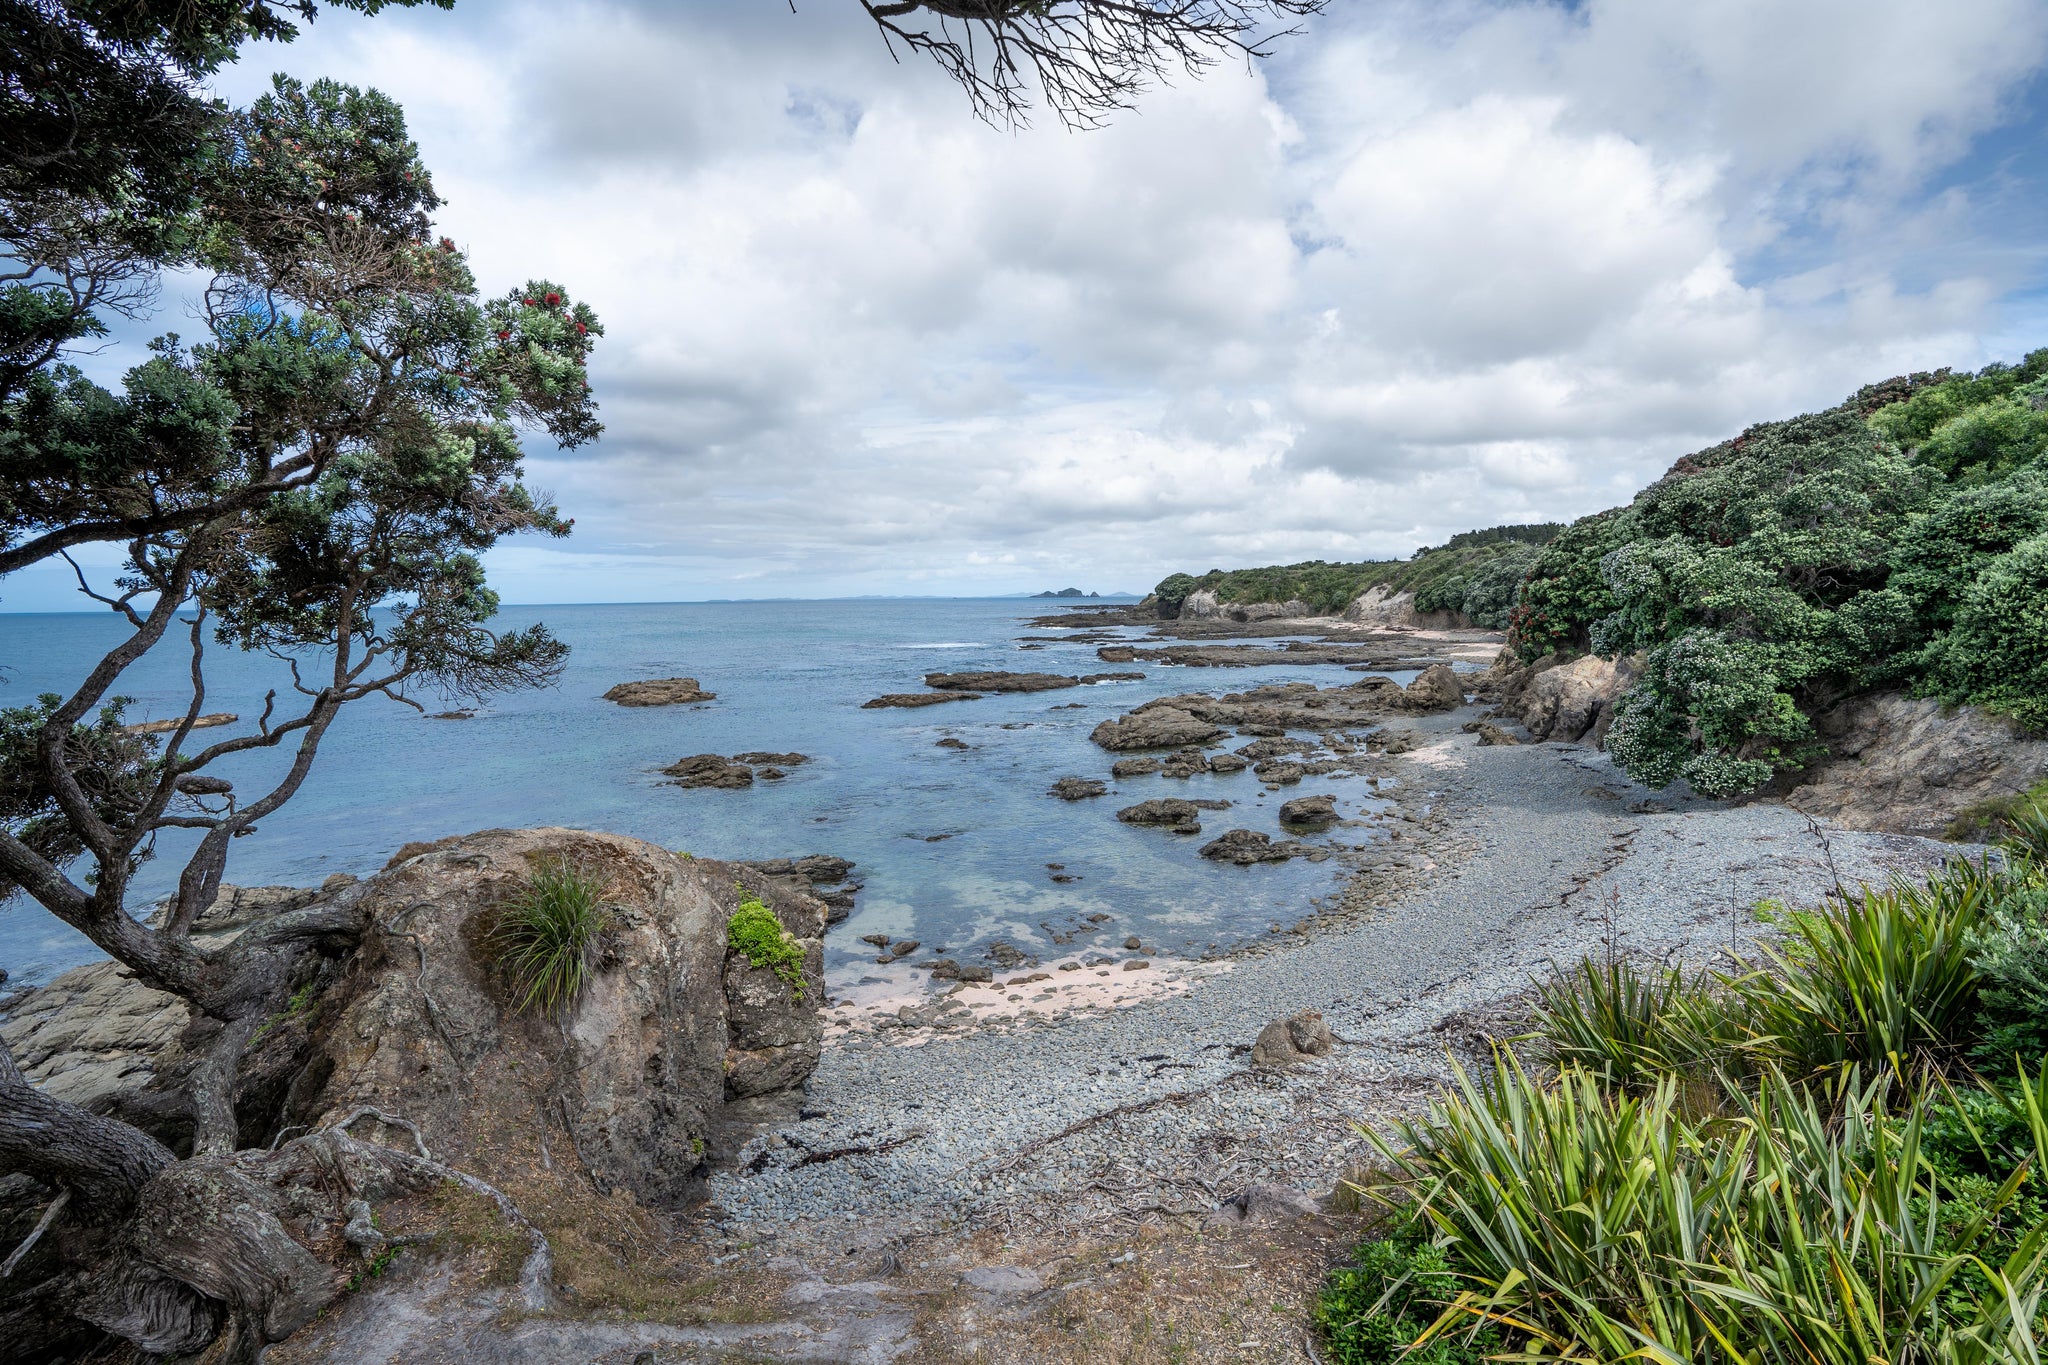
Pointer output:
x,y
1152,1111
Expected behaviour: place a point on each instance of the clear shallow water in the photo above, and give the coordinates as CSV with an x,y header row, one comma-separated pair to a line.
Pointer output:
x,y
789,675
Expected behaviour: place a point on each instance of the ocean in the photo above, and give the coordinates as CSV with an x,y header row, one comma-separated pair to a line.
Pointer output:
x,y
952,846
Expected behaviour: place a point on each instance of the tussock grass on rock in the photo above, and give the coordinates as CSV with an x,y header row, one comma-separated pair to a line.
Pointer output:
x,y
548,935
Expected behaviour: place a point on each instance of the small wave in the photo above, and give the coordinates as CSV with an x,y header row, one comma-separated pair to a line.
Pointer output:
x,y
945,644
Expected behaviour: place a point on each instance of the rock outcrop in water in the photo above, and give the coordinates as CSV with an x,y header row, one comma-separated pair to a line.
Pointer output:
x,y
1195,720
1156,726
659,692
1169,813
999,682
1247,846
710,770
716,770
915,699
822,875
1020,682
1309,811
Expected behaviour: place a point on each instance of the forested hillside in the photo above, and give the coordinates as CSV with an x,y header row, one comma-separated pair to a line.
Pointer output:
x,y
1475,573
1900,539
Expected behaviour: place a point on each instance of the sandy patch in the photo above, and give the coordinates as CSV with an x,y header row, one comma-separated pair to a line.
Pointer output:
x,y
902,1008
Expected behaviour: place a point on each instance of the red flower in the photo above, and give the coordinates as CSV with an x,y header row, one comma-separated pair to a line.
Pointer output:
x,y
553,298
447,244
527,302
503,335
581,329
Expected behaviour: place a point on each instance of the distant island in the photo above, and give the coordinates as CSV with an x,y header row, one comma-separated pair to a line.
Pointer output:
x,y
1067,592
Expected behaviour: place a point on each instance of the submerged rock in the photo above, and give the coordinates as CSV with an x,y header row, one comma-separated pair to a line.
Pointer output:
x,y
949,742
658,692
1176,816
1078,788
1277,773
1247,846
1134,767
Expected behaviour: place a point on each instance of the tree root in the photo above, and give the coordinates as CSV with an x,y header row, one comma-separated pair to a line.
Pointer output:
x,y
42,1226
536,1275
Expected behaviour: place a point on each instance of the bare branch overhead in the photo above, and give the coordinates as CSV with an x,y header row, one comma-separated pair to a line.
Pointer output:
x,y
1086,59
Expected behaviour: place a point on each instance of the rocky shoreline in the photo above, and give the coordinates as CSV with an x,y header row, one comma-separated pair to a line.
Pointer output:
x,y
987,1141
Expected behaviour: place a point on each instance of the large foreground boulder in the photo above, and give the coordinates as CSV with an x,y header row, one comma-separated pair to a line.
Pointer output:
x,y
629,1079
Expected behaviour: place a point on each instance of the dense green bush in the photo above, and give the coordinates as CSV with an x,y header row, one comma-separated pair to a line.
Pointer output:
x,y
1374,1309
1896,540
756,934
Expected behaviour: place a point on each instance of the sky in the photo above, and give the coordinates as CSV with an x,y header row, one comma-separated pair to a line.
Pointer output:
x,y
1433,266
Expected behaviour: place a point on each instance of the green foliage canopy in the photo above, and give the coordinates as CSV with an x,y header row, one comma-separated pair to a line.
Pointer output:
x,y
1888,541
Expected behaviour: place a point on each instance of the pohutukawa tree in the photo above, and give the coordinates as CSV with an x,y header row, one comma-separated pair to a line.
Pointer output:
x,y
1087,59
315,480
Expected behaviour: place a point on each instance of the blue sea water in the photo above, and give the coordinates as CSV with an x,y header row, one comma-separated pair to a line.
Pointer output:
x,y
789,676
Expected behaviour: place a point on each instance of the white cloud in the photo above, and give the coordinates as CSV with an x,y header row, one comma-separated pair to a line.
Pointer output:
x,y
1437,266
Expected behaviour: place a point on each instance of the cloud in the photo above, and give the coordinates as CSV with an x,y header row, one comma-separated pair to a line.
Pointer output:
x,y
1435,266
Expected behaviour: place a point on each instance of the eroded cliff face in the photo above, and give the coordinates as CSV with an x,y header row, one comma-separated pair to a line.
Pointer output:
x,y
1912,766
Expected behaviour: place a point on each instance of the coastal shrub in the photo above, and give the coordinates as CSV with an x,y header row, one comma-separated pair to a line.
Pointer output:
x,y
1997,653
1565,593
1894,540
2009,952
755,933
1807,1226
1709,708
1373,1310
548,935
1879,980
